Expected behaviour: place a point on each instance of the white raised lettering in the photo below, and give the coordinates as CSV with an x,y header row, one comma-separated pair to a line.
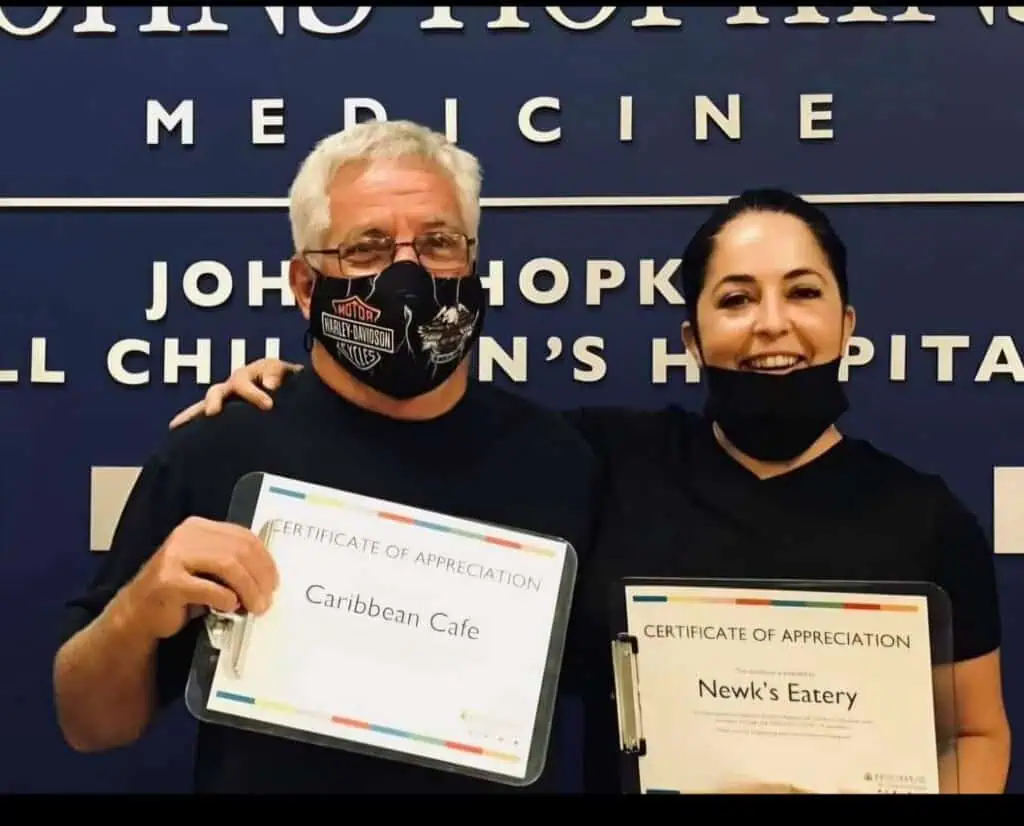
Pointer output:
x,y
8,376
160,22
39,373
353,105
311,22
566,22
183,118
626,118
747,16
587,351
239,357
46,19
602,276
897,357
158,307
704,110
261,283
490,353
654,18
859,351
913,14
806,16
267,113
175,361
526,127
508,19
203,269
661,360
115,361
659,281
94,22
1001,358
442,20
494,283
944,347
811,112
451,119
276,16
528,281
862,14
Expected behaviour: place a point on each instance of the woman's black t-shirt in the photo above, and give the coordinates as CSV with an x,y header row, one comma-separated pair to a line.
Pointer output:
x,y
674,504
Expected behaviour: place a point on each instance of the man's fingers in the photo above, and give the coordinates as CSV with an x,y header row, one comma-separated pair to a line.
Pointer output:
x,y
228,570
199,591
254,554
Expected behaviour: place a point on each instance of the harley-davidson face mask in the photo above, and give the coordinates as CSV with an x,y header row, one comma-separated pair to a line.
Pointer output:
x,y
402,331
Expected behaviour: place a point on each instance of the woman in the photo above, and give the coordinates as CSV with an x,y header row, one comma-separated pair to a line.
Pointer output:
x,y
764,485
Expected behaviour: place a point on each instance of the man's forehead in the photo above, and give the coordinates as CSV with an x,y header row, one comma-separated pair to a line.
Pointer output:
x,y
376,197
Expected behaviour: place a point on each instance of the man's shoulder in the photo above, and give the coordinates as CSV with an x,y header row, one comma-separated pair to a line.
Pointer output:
x,y
240,424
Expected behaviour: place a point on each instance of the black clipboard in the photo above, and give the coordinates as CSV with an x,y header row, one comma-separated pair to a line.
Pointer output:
x,y
228,636
627,647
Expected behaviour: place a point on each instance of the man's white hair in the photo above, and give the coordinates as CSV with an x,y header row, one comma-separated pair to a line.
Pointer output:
x,y
309,206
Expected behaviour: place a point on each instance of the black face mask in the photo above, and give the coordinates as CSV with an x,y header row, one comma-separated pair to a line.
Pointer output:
x,y
403,331
775,418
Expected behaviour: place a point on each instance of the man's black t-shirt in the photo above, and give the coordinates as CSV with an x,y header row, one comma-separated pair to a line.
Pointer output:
x,y
494,457
675,504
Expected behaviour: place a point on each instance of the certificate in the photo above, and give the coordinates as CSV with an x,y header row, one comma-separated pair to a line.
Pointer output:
x,y
740,689
394,631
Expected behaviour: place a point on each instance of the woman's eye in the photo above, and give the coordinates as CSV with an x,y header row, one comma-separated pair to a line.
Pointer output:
x,y
729,302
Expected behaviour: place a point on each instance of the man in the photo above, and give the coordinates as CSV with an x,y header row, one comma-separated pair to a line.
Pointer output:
x,y
384,220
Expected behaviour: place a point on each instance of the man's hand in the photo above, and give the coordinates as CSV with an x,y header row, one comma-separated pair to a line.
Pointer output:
x,y
215,565
245,383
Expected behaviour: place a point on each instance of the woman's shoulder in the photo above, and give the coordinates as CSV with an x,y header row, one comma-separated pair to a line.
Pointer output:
x,y
874,465
923,497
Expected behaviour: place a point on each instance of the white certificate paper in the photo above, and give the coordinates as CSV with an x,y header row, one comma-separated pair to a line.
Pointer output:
x,y
407,631
743,689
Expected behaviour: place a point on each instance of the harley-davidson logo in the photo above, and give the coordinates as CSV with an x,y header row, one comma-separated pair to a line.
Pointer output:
x,y
358,339
356,309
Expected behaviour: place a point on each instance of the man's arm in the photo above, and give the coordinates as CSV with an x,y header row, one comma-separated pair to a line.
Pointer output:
x,y
107,674
105,681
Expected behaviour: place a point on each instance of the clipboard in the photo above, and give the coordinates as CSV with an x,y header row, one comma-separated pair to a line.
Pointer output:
x,y
635,707
225,645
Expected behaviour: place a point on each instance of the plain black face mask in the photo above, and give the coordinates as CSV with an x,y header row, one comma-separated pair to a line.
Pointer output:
x,y
403,331
775,418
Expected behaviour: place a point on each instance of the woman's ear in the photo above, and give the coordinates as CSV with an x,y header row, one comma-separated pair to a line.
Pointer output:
x,y
690,342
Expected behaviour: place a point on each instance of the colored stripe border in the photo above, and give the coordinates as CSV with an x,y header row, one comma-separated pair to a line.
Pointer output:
x,y
331,502
362,725
777,603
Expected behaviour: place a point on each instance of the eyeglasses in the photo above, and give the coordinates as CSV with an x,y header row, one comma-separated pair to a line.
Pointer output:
x,y
439,251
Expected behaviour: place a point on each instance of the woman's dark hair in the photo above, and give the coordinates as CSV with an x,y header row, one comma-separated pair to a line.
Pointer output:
x,y
698,252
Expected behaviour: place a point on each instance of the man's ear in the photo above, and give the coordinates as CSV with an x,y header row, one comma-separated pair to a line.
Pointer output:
x,y
301,280
690,342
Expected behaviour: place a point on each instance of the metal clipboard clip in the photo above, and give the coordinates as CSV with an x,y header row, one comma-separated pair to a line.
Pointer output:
x,y
230,633
627,695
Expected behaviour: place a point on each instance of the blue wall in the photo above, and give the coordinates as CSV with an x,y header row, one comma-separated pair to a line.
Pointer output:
x,y
918,108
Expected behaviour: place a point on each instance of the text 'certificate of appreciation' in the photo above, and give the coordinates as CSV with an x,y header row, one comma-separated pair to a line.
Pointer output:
x,y
421,635
742,689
